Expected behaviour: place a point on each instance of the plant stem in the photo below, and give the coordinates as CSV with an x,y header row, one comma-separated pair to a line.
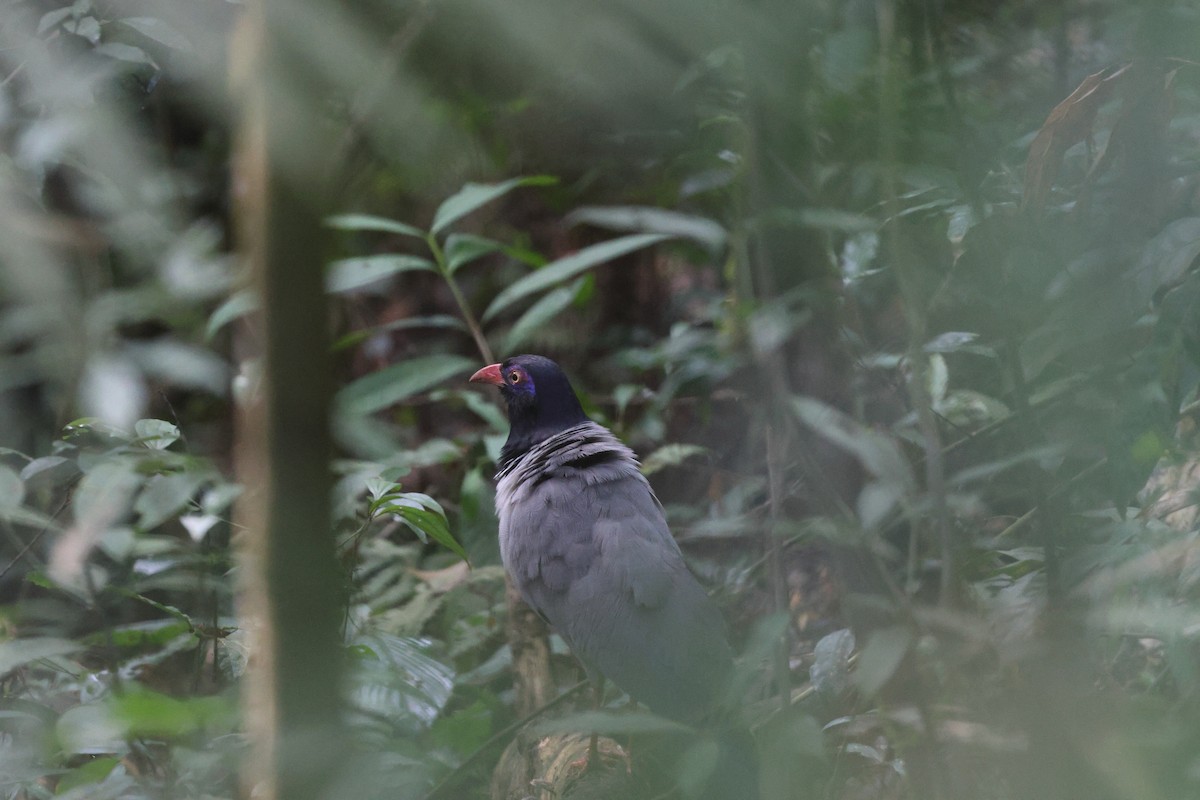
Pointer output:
x,y
439,258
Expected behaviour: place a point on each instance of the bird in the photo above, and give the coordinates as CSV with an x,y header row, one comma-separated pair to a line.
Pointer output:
x,y
585,541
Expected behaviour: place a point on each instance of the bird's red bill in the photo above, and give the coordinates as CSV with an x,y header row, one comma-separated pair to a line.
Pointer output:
x,y
489,374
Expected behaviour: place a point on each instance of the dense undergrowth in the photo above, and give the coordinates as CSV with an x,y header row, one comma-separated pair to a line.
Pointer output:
x,y
897,302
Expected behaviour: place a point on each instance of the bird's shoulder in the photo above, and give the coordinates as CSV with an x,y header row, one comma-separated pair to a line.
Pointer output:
x,y
578,507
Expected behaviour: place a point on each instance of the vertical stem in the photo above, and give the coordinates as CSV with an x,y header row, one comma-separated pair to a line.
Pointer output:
x,y
914,304
779,591
290,592
439,258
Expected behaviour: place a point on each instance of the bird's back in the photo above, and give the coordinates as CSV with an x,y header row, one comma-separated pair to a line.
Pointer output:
x,y
586,543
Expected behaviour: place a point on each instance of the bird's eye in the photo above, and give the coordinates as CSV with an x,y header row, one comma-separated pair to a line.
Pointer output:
x,y
514,377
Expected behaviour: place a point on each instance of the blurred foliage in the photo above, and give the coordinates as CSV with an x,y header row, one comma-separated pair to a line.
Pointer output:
x,y
897,300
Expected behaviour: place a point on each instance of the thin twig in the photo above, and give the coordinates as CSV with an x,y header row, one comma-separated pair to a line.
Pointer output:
x,y
464,308
36,537
502,735
783,678
1053,493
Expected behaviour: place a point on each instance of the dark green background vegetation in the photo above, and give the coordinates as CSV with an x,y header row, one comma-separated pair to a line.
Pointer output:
x,y
897,300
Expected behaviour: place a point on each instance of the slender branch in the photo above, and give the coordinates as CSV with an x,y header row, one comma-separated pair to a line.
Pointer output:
x,y
439,258
914,305
1053,493
36,537
502,735
778,575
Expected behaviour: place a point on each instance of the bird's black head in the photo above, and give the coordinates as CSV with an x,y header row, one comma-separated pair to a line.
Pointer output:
x,y
540,401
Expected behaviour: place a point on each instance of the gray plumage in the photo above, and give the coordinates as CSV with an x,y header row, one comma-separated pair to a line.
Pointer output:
x,y
584,539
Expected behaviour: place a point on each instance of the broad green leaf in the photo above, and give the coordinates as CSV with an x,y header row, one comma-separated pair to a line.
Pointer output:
x,y
237,306
164,496
351,274
147,712
486,409
124,52
105,491
19,515
18,652
463,248
155,434
52,18
875,504
879,659
829,672
12,488
398,382
368,222
475,195
182,364
397,678
159,31
415,509
670,455
951,342
568,267
37,467
545,309
697,766
877,451
647,219
90,729
823,218
88,773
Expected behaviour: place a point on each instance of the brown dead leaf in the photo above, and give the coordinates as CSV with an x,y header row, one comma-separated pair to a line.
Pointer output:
x,y
1070,122
443,580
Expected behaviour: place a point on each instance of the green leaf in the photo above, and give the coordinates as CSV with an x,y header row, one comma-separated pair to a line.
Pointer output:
x,y
877,452
399,382
368,222
38,466
545,309
124,52
53,18
424,515
647,219
18,515
484,408
155,434
475,195
880,658
143,712
90,772
396,678
18,652
237,306
670,455
12,488
823,218
568,267
463,248
159,31
164,496
105,491
90,729
351,274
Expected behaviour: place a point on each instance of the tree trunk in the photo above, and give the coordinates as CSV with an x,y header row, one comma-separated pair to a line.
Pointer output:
x,y
290,590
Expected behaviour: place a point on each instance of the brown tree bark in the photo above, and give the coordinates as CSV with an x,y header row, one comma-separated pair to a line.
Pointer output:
x,y
290,590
